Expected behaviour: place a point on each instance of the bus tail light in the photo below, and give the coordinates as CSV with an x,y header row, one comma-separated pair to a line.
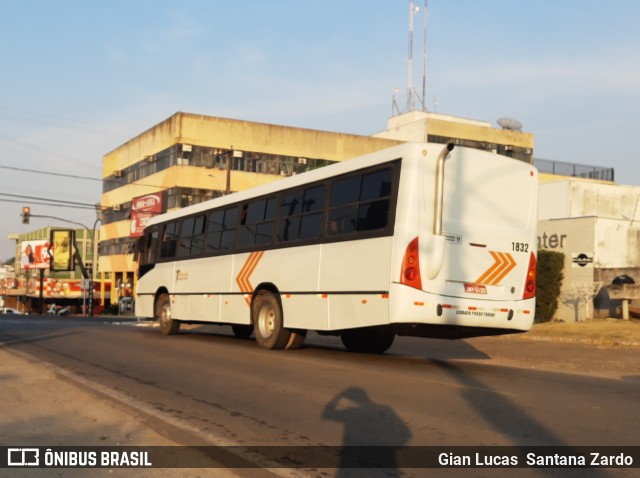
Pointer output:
x,y
410,274
530,281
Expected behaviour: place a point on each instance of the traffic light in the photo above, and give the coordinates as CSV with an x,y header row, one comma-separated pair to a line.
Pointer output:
x,y
26,214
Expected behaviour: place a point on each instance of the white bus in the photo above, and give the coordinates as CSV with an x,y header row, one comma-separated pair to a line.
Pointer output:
x,y
418,239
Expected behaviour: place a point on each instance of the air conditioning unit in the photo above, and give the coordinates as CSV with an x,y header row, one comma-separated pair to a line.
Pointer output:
x,y
302,160
116,207
117,174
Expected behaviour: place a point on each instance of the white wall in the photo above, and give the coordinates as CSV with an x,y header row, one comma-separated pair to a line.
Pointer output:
x,y
600,221
574,237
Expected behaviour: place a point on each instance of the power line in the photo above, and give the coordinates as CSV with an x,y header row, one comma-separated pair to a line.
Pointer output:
x,y
40,149
46,204
50,173
50,200
39,118
121,181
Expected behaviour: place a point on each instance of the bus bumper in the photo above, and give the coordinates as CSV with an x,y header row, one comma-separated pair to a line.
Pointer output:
x,y
414,306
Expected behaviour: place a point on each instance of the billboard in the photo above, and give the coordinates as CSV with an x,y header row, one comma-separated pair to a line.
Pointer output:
x,y
144,208
62,250
35,254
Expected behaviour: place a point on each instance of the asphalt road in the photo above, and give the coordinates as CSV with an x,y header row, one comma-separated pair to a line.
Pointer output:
x,y
204,387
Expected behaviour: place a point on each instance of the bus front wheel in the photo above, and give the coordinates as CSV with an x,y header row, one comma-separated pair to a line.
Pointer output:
x,y
268,325
168,326
367,341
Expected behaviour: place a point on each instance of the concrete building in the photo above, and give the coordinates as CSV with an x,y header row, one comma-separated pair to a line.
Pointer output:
x,y
23,286
190,158
597,227
420,126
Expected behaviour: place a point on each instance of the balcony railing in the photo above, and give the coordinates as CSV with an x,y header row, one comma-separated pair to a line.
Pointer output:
x,y
574,170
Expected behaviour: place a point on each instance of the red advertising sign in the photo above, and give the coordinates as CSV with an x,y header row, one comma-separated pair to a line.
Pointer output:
x,y
144,208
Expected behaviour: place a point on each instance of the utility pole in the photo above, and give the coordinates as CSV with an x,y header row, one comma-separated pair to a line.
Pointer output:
x,y
227,190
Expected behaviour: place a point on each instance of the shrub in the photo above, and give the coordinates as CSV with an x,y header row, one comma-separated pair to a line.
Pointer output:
x,y
548,283
111,309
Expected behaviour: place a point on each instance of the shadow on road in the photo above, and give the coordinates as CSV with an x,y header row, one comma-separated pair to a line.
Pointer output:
x,y
367,424
514,423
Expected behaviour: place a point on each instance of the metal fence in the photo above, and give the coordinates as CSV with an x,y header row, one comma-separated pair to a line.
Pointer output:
x,y
574,170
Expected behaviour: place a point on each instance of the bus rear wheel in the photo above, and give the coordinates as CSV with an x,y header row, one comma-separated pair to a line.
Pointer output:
x,y
268,325
367,341
168,326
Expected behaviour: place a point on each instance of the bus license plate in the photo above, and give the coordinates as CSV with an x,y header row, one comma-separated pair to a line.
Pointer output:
x,y
475,289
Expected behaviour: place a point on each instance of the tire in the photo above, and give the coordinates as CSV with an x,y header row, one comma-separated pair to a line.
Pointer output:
x,y
168,325
296,340
367,341
242,331
266,314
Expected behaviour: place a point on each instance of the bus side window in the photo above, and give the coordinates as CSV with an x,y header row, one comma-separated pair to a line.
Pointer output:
x,y
256,223
376,185
143,247
301,214
191,236
373,210
312,207
221,230
197,241
150,248
289,217
264,230
360,203
343,207
214,231
186,232
248,218
228,235
169,240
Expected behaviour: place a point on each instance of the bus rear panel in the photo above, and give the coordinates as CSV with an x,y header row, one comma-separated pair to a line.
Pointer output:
x,y
478,273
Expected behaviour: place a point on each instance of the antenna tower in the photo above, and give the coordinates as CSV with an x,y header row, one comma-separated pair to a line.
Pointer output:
x,y
424,59
412,94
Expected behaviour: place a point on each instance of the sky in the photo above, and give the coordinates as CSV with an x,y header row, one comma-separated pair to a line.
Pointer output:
x,y
79,78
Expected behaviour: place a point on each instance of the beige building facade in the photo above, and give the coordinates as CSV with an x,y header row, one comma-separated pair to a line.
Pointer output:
x,y
421,126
